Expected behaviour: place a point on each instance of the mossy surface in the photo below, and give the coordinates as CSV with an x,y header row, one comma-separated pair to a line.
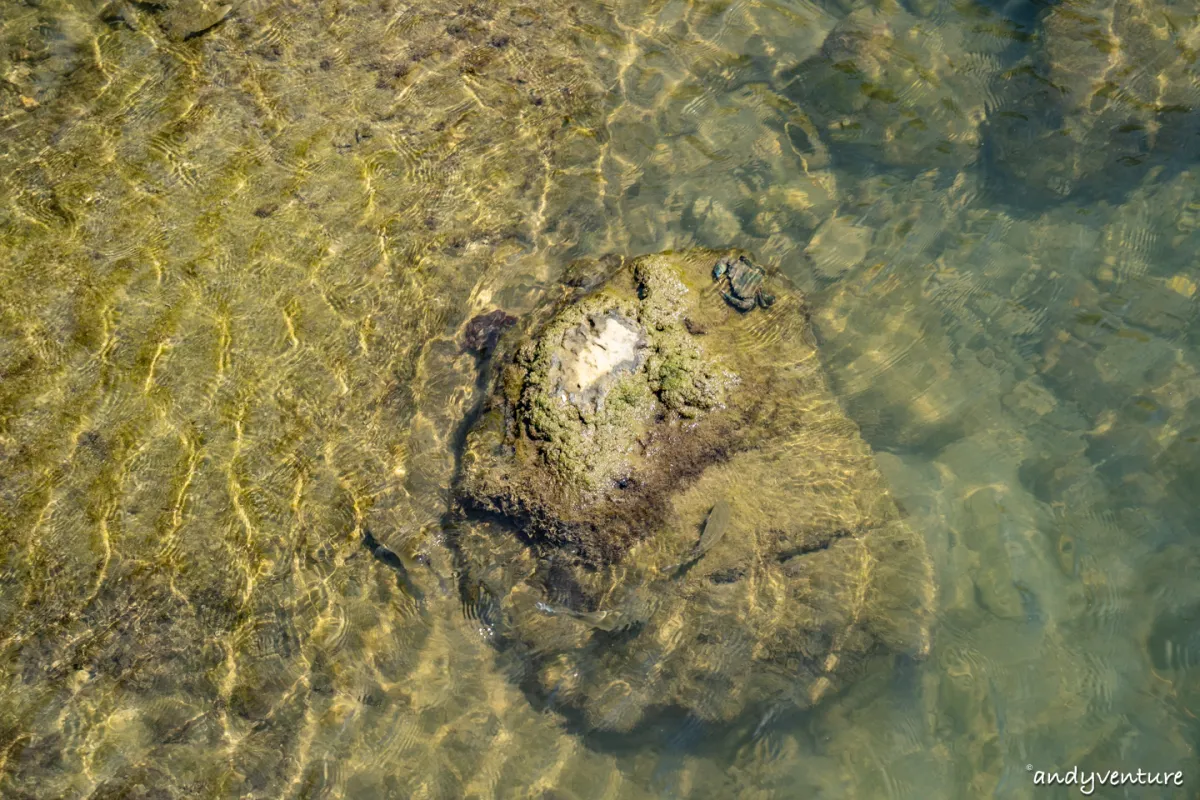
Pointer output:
x,y
572,453
594,571
582,442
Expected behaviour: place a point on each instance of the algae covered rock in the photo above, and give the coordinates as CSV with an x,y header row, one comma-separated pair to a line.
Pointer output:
x,y
584,436
677,513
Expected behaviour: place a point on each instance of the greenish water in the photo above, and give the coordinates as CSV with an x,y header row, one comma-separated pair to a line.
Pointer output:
x,y
237,247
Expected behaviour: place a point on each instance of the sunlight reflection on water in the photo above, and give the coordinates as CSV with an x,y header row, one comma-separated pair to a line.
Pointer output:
x,y
235,261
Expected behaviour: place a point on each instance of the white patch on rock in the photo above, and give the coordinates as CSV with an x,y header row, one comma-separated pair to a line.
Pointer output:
x,y
593,355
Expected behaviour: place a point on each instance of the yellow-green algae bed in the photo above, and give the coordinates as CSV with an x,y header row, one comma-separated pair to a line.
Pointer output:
x,y
238,244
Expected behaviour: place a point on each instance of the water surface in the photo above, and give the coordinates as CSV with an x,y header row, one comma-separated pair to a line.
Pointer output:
x,y
237,245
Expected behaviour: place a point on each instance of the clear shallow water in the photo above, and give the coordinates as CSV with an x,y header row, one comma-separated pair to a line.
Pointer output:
x,y
234,265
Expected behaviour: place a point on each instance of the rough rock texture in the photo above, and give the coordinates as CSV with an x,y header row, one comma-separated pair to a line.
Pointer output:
x,y
584,434
606,590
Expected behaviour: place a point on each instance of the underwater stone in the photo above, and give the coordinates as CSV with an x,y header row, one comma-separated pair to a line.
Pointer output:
x,y
180,19
1110,93
676,513
900,90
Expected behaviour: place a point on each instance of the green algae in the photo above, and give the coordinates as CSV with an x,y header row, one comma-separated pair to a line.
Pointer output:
x,y
582,444
227,260
223,198
805,561
572,447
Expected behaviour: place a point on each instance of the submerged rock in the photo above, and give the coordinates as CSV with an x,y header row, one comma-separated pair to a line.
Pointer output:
x,y
897,88
1110,93
677,513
